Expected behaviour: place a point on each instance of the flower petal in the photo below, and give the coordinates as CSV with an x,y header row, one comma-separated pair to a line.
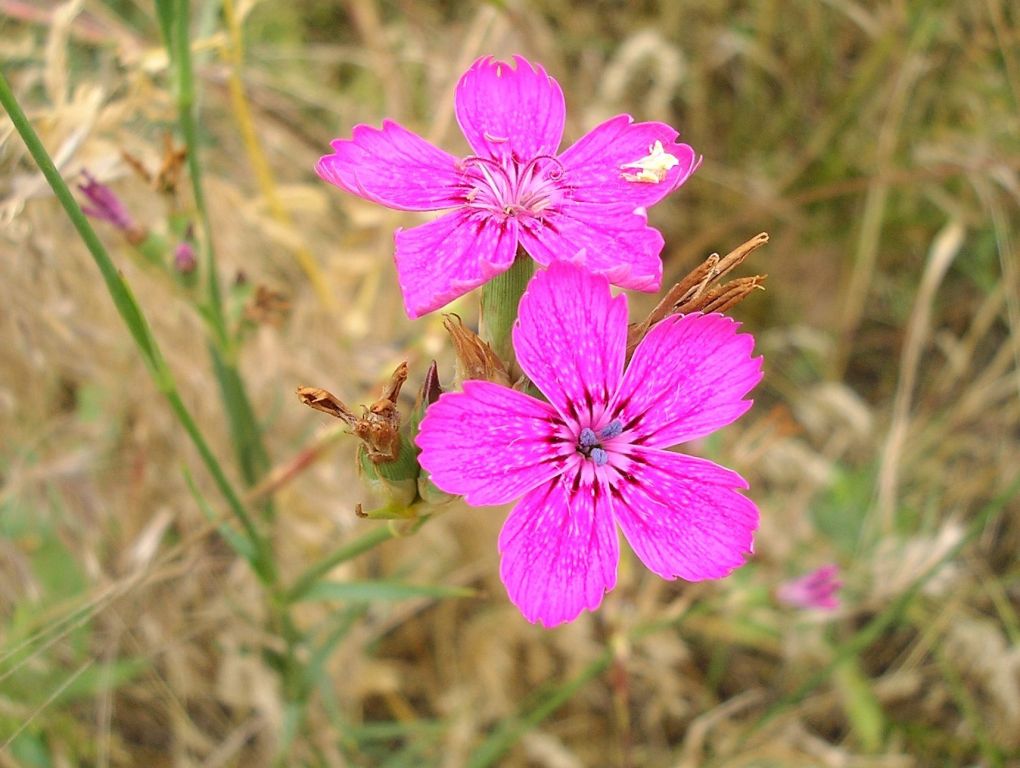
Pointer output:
x,y
489,443
571,339
610,240
393,167
446,258
559,551
509,111
596,165
683,515
687,378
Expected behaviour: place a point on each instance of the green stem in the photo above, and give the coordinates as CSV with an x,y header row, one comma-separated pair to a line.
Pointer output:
x,y
179,47
500,297
133,317
246,435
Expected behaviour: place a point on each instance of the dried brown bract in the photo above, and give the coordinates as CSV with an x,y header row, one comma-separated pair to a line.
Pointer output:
x,y
700,290
475,358
327,402
378,427
267,307
168,176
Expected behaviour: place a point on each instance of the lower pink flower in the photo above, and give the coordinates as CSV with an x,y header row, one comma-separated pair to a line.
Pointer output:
x,y
818,589
595,455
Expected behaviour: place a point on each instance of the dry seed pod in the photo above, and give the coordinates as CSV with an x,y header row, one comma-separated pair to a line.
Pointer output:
x,y
699,291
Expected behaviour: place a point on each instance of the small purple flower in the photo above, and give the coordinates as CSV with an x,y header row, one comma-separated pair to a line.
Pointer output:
x,y
185,259
515,189
596,455
104,205
817,590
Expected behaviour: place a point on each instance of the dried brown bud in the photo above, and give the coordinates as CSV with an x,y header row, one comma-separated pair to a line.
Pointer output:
x,y
327,402
267,307
699,290
475,358
169,175
379,425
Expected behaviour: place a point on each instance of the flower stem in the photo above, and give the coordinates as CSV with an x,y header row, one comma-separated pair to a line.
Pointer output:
x,y
246,433
137,324
500,297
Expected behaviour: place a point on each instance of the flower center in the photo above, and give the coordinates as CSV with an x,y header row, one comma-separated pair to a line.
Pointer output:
x,y
589,442
508,188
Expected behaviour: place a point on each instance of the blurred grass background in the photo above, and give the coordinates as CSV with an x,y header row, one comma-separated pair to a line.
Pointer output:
x,y
878,144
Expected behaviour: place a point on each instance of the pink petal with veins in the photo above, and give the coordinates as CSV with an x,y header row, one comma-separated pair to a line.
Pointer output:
x,y
559,552
683,516
444,259
571,339
607,240
505,111
595,164
393,167
489,443
687,378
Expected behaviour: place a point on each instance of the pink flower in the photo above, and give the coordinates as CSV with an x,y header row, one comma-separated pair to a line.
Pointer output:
x,y
818,589
596,455
514,189
104,205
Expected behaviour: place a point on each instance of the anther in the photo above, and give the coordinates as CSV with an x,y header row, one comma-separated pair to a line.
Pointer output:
x,y
588,439
612,429
599,456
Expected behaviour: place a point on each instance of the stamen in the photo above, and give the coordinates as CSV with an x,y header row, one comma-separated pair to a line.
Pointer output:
x,y
549,158
588,439
612,429
599,456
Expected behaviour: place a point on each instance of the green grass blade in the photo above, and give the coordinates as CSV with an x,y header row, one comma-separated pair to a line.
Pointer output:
x,y
380,591
237,542
359,546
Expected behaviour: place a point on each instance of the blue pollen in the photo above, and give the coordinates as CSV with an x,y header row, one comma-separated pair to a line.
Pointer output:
x,y
612,429
599,456
588,439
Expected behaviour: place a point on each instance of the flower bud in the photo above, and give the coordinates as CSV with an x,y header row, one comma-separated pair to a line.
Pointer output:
x,y
104,205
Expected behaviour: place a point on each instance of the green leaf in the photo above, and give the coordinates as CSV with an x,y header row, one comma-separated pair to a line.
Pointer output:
x,y
235,540
380,591
860,704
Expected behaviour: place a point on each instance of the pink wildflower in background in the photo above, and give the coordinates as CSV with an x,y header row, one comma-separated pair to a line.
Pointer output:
x,y
817,590
595,456
514,188
104,205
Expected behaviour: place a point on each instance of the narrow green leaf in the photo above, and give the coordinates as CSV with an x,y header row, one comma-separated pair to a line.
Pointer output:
x,y
359,546
380,591
235,540
860,704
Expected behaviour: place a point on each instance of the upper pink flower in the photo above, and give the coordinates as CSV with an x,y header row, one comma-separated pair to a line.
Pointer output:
x,y
596,454
515,188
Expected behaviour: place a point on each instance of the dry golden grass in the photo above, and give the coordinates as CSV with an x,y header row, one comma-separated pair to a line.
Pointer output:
x,y
878,146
